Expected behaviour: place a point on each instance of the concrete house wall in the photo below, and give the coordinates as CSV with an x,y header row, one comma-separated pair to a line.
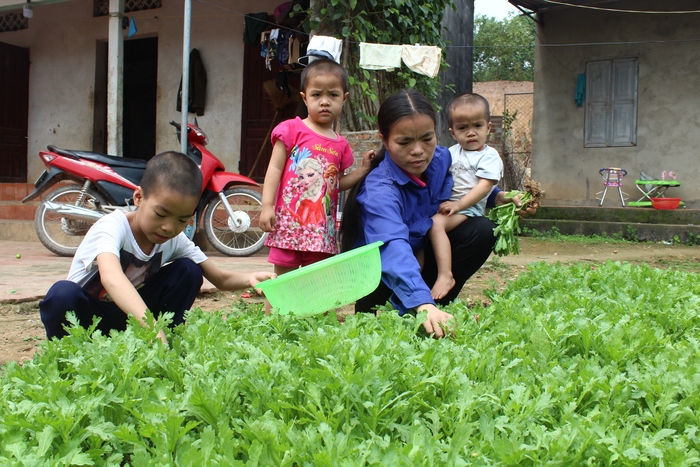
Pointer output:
x,y
668,113
62,40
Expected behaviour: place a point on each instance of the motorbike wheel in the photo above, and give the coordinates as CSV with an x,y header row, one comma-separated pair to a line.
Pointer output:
x,y
240,237
60,235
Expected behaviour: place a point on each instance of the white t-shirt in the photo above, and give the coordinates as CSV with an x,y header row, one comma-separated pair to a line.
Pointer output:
x,y
467,168
112,234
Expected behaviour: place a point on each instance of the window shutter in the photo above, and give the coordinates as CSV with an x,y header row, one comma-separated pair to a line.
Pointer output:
x,y
624,97
598,103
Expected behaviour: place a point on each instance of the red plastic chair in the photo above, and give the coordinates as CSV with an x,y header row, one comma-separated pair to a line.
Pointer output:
x,y
612,176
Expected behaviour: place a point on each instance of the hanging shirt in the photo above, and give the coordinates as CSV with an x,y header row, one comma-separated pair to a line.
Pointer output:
x,y
307,197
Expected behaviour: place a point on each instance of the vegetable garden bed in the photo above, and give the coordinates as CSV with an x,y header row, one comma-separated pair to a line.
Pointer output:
x,y
570,365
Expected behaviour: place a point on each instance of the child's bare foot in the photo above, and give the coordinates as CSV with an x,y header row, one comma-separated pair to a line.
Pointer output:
x,y
442,286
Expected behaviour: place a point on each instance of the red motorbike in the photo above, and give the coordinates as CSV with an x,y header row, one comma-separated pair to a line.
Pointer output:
x,y
99,184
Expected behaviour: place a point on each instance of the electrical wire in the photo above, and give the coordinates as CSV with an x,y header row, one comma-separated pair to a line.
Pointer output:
x,y
541,44
618,10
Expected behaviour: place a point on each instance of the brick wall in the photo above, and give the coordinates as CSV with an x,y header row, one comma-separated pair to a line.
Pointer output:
x,y
361,142
11,196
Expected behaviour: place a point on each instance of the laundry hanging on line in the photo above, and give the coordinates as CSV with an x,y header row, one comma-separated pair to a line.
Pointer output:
x,y
281,44
423,59
380,56
325,47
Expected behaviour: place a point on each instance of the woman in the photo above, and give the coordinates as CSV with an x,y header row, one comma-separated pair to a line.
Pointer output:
x,y
409,180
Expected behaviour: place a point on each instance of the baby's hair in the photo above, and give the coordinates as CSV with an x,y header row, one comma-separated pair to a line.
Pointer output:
x,y
172,171
325,66
468,99
402,104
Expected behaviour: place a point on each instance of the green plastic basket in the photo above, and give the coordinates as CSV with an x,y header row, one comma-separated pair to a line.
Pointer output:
x,y
327,284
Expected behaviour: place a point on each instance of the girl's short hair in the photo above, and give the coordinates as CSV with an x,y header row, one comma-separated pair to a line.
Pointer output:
x,y
325,66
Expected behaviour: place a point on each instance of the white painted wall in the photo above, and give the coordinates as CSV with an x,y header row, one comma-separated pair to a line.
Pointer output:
x,y
62,41
668,110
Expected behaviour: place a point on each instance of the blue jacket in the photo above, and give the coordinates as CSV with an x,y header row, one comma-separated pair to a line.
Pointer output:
x,y
396,210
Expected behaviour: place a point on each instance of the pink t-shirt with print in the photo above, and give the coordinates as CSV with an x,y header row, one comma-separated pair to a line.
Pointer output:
x,y
307,197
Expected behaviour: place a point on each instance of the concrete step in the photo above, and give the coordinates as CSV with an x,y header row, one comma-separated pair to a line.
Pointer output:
x,y
633,231
644,224
619,214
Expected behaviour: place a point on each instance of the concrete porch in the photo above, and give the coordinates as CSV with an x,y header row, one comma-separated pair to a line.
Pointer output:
x,y
643,224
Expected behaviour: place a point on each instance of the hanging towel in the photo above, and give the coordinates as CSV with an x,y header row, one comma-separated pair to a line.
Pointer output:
x,y
254,24
580,89
423,59
380,56
324,46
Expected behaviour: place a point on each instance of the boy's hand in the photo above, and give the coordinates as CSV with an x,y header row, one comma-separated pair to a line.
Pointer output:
x,y
161,336
257,277
267,219
449,207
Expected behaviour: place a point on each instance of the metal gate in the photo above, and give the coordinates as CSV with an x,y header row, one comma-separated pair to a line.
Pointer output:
x,y
517,138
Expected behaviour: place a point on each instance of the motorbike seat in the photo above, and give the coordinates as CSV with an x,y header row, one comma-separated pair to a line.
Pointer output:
x,y
99,157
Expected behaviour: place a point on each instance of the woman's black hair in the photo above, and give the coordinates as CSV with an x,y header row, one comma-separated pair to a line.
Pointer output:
x,y
402,104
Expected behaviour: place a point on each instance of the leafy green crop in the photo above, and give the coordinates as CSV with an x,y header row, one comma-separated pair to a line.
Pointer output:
x,y
506,217
571,365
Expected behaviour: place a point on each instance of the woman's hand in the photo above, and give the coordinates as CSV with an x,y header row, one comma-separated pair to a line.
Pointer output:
x,y
438,321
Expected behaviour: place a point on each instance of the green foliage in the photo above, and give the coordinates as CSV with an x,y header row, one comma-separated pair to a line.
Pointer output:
x,y
693,239
504,50
571,365
384,22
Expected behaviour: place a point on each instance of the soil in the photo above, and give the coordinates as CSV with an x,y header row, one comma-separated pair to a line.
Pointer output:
x,y
21,329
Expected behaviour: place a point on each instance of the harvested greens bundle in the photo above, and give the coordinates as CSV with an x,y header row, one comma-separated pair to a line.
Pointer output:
x,y
507,216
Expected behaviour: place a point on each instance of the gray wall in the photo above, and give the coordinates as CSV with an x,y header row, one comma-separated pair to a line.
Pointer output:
x,y
668,115
62,41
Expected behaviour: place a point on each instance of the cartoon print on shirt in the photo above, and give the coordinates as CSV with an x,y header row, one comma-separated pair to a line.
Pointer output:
x,y
309,208
307,202
330,175
296,155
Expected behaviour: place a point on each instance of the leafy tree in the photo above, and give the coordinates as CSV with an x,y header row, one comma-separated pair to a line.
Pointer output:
x,y
504,50
384,22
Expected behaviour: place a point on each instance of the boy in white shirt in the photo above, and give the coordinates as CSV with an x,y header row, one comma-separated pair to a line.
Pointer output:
x,y
138,260
476,168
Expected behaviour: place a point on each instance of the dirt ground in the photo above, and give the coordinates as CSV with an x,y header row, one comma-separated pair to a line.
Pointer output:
x,y
21,328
